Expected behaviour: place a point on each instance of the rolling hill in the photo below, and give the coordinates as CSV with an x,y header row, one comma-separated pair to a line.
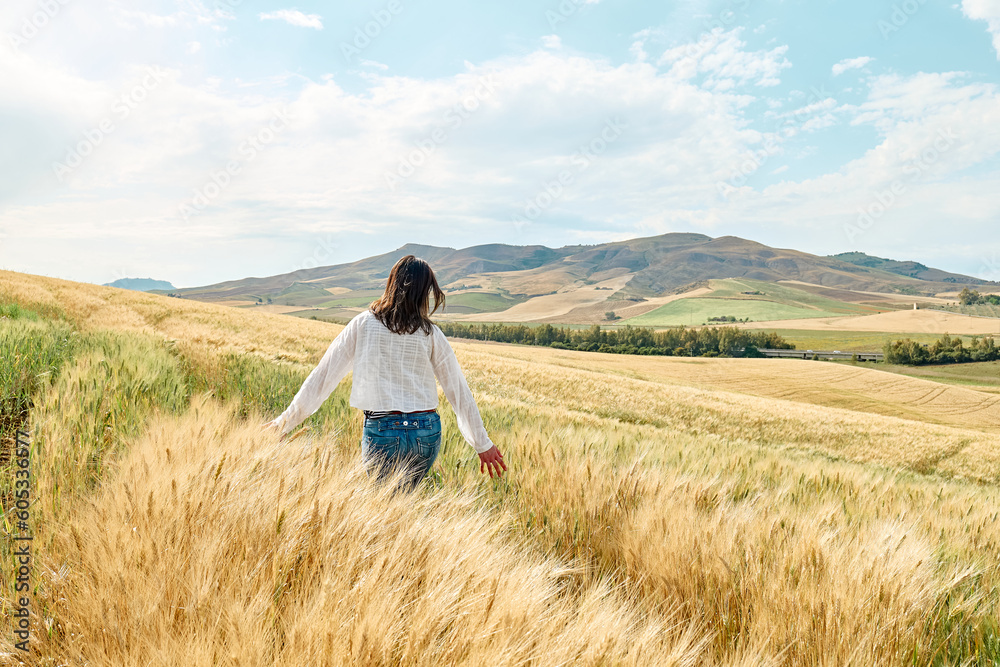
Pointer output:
x,y
528,283
910,269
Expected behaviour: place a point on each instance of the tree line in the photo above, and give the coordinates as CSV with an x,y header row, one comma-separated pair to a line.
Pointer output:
x,y
969,297
682,342
946,350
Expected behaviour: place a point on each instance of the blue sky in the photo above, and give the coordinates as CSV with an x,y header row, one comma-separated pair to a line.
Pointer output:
x,y
205,140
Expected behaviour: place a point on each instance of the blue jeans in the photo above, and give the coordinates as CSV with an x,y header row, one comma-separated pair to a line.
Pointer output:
x,y
408,441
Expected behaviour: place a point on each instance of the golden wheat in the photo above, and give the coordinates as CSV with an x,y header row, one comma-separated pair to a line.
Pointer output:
x,y
214,544
215,327
651,515
899,321
857,388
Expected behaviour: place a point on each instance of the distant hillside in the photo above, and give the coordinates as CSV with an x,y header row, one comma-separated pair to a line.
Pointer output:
x,y
910,269
141,284
533,282
661,267
363,274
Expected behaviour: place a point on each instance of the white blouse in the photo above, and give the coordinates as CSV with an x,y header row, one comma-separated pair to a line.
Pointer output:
x,y
391,372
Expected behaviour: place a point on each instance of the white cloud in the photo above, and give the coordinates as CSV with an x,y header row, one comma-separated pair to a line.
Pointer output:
x,y
688,128
849,64
938,133
154,20
638,52
551,41
294,17
327,171
720,55
818,113
191,13
985,10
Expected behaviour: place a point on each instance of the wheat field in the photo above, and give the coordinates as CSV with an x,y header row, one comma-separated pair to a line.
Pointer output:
x,y
899,321
689,512
860,387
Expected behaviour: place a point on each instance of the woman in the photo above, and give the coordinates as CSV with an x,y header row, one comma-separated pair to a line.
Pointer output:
x,y
396,352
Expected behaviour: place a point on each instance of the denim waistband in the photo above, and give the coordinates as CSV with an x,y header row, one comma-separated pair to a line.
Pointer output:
x,y
378,414
404,420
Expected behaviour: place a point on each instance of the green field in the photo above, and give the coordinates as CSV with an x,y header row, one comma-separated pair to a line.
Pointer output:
x,y
733,288
332,315
695,312
534,325
311,296
754,300
478,302
469,302
350,301
302,294
341,302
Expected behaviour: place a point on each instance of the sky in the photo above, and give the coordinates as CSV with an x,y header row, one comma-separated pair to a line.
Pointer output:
x,y
198,141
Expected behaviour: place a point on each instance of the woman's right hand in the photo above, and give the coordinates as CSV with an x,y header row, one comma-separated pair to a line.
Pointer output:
x,y
492,460
272,427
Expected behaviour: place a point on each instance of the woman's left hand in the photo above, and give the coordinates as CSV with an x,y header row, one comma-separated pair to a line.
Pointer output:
x,y
492,460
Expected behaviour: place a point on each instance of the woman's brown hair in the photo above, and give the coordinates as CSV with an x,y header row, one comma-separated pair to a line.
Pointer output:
x,y
404,307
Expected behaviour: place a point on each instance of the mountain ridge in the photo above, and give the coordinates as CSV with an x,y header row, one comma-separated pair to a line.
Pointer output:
x,y
905,268
654,265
